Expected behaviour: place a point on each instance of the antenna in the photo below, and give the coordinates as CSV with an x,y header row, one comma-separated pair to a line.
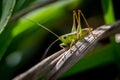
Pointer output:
x,y
46,51
44,27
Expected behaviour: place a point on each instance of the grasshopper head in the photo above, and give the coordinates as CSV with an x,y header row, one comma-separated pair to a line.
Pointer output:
x,y
67,38
64,39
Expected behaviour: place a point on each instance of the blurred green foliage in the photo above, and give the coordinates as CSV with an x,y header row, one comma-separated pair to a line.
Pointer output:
x,y
22,43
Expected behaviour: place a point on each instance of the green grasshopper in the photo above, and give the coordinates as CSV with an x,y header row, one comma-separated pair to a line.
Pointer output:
x,y
77,33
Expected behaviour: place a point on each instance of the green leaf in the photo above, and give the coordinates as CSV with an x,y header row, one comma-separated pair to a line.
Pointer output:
x,y
7,8
108,11
23,26
19,36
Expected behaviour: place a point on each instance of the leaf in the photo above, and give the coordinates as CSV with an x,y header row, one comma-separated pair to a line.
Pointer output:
x,y
108,11
23,26
7,8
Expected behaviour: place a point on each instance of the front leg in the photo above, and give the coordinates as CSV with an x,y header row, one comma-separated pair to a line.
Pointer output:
x,y
63,45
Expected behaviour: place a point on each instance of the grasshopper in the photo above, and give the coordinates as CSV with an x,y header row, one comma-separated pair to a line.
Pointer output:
x,y
77,33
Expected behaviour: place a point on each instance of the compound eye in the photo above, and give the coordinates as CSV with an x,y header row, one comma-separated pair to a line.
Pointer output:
x,y
64,37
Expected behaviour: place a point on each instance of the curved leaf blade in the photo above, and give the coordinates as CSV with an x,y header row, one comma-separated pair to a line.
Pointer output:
x,y
7,9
